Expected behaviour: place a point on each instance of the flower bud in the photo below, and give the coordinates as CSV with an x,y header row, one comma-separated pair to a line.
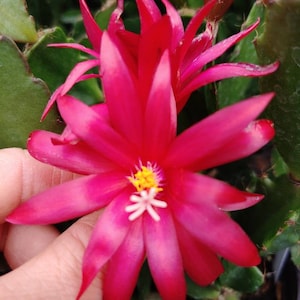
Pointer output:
x,y
219,9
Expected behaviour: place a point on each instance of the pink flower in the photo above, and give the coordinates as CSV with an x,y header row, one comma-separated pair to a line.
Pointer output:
x,y
144,177
189,52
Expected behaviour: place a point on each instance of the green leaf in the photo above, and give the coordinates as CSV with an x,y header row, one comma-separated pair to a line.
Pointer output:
x,y
263,221
281,41
295,255
234,89
241,279
287,236
195,3
22,98
144,283
54,64
102,17
198,292
15,21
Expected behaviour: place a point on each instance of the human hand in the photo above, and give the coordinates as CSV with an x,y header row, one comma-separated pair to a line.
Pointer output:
x,y
45,264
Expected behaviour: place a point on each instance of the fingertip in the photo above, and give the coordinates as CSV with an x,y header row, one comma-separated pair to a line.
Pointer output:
x,y
22,176
25,241
11,178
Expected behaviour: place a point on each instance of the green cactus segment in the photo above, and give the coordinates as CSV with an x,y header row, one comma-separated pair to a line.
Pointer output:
x,y
266,220
22,98
15,21
53,65
281,41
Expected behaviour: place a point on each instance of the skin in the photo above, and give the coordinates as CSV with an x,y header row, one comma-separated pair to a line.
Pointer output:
x,y
45,263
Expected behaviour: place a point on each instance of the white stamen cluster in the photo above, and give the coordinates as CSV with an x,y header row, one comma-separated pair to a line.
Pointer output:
x,y
144,201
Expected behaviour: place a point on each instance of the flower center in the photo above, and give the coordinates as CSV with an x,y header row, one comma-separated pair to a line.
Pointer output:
x,y
147,181
146,178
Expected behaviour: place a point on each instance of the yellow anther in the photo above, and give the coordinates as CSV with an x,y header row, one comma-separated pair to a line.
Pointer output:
x,y
145,179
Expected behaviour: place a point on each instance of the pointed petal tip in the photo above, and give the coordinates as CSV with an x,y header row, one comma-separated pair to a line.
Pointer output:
x,y
93,31
265,129
75,46
10,219
253,70
250,199
275,65
252,260
263,99
82,289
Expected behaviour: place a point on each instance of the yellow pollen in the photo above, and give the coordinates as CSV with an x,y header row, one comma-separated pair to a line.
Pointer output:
x,y
145,179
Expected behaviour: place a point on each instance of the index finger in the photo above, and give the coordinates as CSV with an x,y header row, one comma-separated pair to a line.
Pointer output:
x,y
22,176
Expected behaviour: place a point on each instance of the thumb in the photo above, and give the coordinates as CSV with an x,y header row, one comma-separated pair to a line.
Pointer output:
x,y
55,273
22,176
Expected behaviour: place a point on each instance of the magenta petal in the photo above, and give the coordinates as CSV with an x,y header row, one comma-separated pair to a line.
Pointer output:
x,y
193,27
161,115
201,264
95,131
130,40
93,31
196,189
51,101
199,44
176,22
78,71
108,235
59,90
122,99
78,158
164,256
217,231
149,13
76,47
212,133
70,200
226,70
66,137
123,269
252,138
149,53
214,52
115,22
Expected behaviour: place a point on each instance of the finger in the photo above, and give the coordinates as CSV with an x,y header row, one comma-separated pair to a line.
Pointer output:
x,y
23,176
55,272
23,242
